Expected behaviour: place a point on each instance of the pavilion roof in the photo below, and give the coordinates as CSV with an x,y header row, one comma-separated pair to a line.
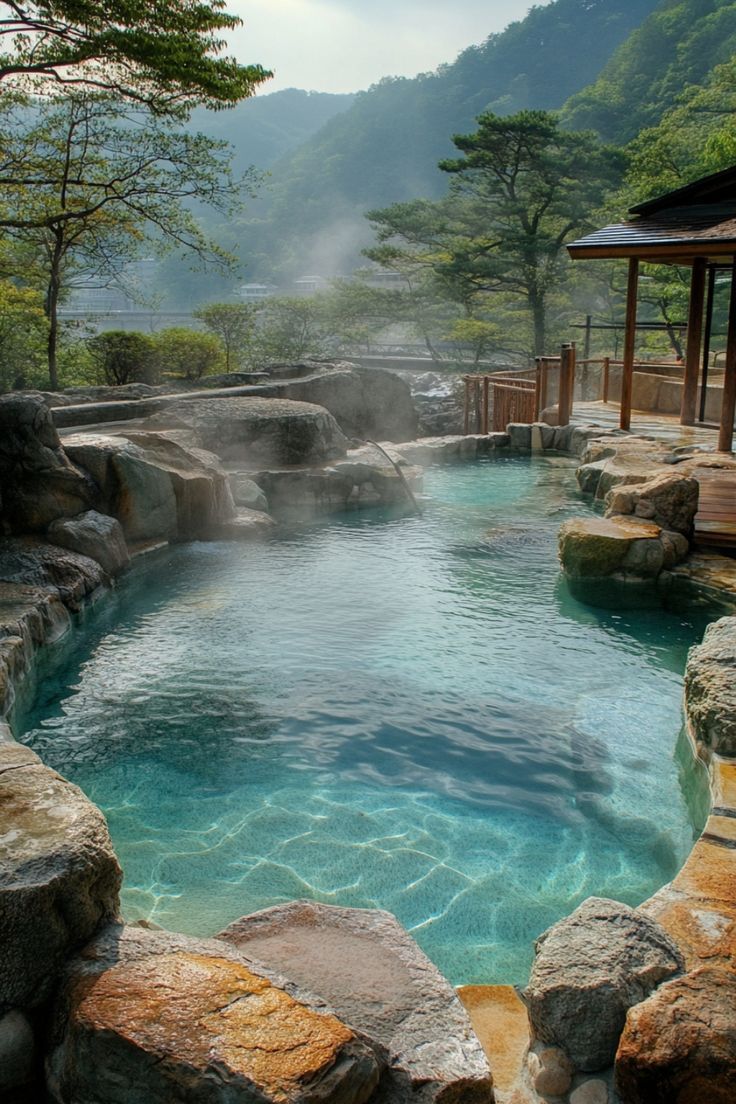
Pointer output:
x,y
698,220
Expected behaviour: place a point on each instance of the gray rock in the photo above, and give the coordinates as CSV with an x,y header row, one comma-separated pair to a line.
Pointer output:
x,y
366,967
710,687
17,1051
39,483
95,535
244,525
34,563
520,436
551,1071
149,1017
592,1091
59,878
246,492
260,430
589,969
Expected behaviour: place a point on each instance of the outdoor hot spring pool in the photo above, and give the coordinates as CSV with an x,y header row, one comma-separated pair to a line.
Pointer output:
x,y
376,710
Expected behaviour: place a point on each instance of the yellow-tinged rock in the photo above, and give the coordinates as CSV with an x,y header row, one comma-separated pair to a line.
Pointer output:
x,y
499,1019
596,547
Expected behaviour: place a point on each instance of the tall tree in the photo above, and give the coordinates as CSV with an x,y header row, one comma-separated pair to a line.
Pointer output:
x,y
87,185
233,325
532,186
162,53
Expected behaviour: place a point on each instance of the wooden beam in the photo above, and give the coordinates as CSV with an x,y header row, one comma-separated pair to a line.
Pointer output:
x,y
694,341
707,341
627,375
728,409
567,382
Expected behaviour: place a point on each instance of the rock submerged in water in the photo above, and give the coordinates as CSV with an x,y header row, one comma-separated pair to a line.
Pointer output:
x,y
589,969
150,1016
375,977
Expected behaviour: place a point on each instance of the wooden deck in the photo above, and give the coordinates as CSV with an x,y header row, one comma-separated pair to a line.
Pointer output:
x,y
715,521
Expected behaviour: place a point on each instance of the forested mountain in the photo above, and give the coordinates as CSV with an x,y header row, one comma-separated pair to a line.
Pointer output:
x,y
676,46
268,126
386,146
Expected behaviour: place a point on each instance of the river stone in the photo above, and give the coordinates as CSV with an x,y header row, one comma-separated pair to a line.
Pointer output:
x,y
710,687
59,878
247,493
261,431
95,535
39,482
366,967
244,525
669,498
589,969
598,547
679,1046
149,1017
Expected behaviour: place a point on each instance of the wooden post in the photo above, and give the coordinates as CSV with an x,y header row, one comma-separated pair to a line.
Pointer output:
x,y
572,369
728,410
537,388
606,377
694,339
627,373
478,414
564,400
466,410
588,326
707,340
486,385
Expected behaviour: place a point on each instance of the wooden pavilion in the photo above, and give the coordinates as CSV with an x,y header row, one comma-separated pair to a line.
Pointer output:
x,y
693,226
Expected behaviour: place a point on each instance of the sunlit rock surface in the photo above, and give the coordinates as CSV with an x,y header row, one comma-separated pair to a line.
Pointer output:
x,y
373,974
59,878
680,1044
710,688
148,1016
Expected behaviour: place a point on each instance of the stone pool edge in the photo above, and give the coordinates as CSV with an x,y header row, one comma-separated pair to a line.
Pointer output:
x,y
698,907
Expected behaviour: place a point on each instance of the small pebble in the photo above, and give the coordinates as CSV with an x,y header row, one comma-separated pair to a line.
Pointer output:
x,y
590,1092
16,1051
555,1074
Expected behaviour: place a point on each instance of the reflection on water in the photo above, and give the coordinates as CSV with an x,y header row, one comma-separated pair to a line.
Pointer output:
x,y
403,712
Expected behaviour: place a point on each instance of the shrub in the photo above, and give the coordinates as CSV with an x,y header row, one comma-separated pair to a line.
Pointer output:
x,y
123,356
187,353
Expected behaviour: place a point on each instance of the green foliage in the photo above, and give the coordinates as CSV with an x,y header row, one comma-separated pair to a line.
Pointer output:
x,y
122,356
675,47
22,336
163,53
521,190
289,328
187,354
233,325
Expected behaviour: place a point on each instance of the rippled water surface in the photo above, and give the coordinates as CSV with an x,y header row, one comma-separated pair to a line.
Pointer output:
x,y
403,712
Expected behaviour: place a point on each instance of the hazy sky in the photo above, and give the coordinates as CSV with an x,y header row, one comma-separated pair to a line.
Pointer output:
x,y
346,45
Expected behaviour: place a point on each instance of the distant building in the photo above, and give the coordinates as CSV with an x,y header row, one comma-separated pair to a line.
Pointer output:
x,y
253,293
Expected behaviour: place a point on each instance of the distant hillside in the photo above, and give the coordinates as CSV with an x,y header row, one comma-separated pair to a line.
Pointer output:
x,y
676,46
385,147
269,126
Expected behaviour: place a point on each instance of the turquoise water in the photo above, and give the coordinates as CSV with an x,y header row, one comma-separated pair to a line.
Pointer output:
x,y
402,712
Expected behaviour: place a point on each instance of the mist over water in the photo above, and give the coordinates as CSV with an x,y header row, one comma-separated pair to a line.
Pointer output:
x,y
389,711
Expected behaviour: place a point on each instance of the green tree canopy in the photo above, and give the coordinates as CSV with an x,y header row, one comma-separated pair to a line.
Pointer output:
x,y
166,54
233,325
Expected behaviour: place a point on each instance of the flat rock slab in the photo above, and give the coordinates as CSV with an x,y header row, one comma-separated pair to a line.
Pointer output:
x,y
366,967
262,430
148,1017
59,878
500,1021
597,547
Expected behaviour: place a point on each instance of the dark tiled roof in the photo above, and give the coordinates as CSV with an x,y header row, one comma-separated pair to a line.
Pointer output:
x,y
691,228
717,188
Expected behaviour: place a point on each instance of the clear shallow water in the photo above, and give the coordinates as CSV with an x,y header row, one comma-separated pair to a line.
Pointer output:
x,y
409,713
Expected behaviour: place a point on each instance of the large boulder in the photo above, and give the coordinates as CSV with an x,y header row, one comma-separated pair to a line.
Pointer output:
x,y
669,499
589,969
38,482
263,431
136,490
148,1017
59,878
95,535
710,687
679,1046
366,967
